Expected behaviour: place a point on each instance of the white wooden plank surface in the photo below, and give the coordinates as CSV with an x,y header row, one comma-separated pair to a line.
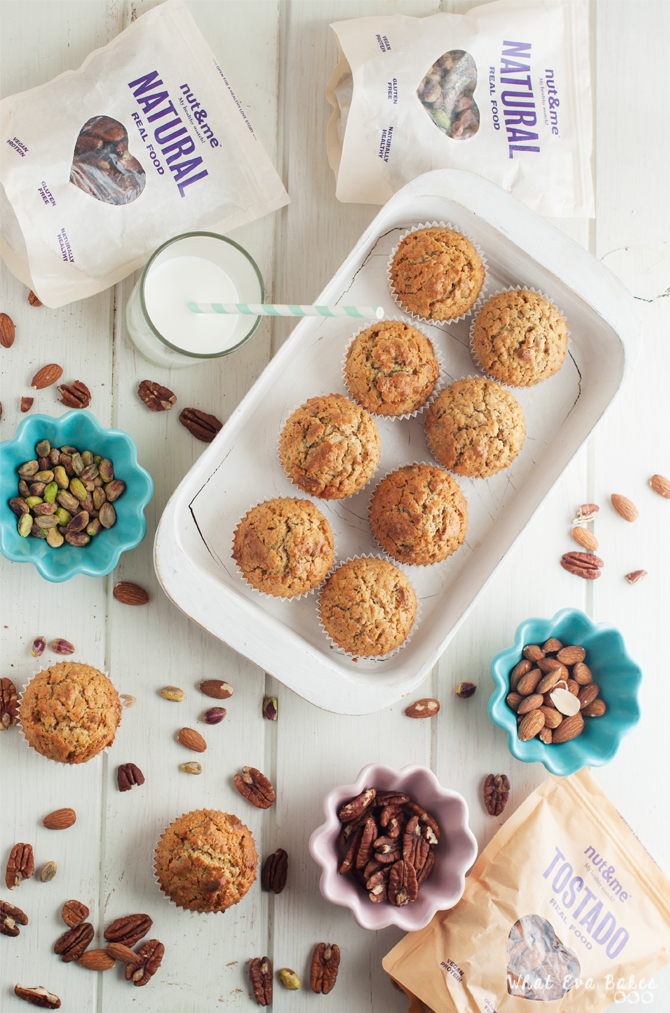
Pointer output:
x,y
279,56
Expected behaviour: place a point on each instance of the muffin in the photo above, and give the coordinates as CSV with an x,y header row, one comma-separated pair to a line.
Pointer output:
x,y
70,712
436,273
330,447
475,427
367,607
391,368
206,860
519,338
283,547
418,514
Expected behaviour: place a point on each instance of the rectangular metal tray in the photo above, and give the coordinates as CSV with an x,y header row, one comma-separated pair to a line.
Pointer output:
x,y
241,468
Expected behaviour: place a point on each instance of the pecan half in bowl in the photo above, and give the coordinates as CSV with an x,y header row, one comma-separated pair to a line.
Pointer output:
x,y
454,854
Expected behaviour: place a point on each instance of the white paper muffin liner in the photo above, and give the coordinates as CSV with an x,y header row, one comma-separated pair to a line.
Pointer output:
x,y
387,555
513,288
372,657
439,383
479,478
482,257
266,594
63,763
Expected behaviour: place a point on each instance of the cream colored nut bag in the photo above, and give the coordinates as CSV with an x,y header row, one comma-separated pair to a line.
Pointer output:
x,y
503,91
103,164
564,911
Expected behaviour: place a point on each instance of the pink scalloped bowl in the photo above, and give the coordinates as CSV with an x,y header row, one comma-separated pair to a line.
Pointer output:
x,y
454,854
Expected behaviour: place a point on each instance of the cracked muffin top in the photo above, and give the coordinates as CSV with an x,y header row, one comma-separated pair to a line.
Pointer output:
x,y
367,607
70,712
283,547
330,447
519,338
391,368
437,274
475,427
418,514
206,860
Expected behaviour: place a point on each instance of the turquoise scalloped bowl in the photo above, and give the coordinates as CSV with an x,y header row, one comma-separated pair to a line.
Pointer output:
x,y
614,671
79,429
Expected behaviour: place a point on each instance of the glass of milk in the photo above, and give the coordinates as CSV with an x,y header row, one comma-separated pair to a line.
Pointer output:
x,y
194,267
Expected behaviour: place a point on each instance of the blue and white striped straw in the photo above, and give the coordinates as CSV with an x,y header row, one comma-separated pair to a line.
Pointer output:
x,y
272,310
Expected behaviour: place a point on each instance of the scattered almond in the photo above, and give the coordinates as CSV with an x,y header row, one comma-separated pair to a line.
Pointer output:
x,y
624,507
60,819
33,300
7,331
120,952
47,375
130,594
192,740
585,538
426,708
661,485
98,960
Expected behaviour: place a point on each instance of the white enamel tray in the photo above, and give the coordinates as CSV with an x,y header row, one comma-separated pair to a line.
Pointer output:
x,y
240,468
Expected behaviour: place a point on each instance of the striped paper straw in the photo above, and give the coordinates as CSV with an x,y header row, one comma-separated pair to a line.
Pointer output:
x,y
271,310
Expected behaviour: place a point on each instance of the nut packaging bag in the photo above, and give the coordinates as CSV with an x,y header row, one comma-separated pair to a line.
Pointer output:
x,y
564,911
503,91
103,164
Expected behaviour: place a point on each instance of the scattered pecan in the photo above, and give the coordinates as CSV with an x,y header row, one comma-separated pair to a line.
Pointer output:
x,y
26,404
496,793
147,962
128,930
273,877
325,965
75,395
74,912
403,887
128,775
199,424
72,943
47,375
9,704
357,806
155,396
255,787
33,300
260,972
20,866
7,331
582,564
10,919
636,576
37,995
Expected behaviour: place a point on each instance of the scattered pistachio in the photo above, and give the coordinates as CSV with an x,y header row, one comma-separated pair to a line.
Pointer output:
x,y
48,872
465,689
289,979
214,715
270,708
37,647
127,700
61,646
173,693
192,767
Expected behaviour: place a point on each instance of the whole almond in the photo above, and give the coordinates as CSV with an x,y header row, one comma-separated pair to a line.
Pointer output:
x,y
426,708
216,688
552,645
531,724
98,960
546,735
528,682
552,717
595,709
47,375
60,819
661,485
571,655
569,728
573,687
530,703
587,694
120,952
513,700
192,740
33,299
7,331
581,674
553,665
548,682
585,538
533,652
518,671
624,507
130,594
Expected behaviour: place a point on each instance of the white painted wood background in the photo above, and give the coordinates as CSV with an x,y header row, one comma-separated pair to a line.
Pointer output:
x,y
278,55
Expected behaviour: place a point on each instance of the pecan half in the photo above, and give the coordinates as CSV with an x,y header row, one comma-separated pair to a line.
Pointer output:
x,y
415,847
155,396
128,775
403,887
377,885
255,787
72,943
149,957
368,836
496,793
351,853
9,704
38,995
273,877
128,930
424,817
74,912
357,806
33,300
260,972
10,919
75,395
582,564
384,798
20,866
199,424
427,869
325,965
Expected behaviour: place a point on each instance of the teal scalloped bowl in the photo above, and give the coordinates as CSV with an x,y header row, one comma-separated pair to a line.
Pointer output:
x,y
79,429
614,671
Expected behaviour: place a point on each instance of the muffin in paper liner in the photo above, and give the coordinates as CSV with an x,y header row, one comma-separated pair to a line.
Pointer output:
x,y
479,308
438,382
372,657
213,909
282,461
403,562
268,594
457,474
64,763
480,295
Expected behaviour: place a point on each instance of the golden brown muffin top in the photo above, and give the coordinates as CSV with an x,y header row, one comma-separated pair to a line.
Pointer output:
x,y
475,427
520,338
437,273
367,607
330,447
419,514
391,368
284,546
70,712
206,860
